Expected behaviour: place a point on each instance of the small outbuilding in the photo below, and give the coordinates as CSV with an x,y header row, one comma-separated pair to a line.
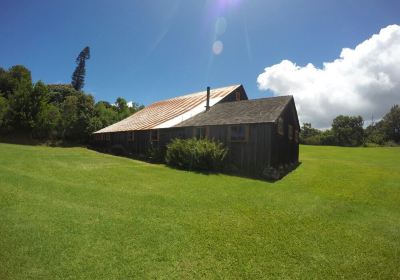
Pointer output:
x,y
259,133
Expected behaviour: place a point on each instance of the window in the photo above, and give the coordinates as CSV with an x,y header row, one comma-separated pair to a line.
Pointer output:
x,y
280,128
131,136
154,135
238,133
296,136
237,96
108,136
290,132
199,132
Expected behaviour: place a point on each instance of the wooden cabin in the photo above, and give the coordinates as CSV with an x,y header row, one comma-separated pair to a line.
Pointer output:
x,y
259,133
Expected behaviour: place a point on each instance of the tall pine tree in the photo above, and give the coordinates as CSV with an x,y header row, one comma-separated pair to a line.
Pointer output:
x,y
78,77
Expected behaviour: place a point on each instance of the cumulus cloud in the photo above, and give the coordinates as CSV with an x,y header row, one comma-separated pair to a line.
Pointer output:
x,y
362,81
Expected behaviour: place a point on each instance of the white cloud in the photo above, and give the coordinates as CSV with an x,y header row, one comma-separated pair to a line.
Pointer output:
x,y
362,81
130,104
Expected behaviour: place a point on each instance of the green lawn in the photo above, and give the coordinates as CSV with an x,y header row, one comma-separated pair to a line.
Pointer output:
x,y
77,214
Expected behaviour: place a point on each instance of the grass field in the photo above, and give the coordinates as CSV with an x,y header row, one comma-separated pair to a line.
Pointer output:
x,y
72,213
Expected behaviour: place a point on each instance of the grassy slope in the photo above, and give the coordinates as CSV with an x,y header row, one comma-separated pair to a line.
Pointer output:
x,y
73,213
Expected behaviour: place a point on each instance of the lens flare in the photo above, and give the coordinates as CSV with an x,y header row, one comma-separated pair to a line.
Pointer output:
x,y
220,26
228,3
218,47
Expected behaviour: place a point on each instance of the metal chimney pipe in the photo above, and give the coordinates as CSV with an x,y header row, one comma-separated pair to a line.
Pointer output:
x,y
208,99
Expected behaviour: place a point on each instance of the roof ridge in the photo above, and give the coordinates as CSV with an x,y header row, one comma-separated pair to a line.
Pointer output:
x,y
199,92
257,99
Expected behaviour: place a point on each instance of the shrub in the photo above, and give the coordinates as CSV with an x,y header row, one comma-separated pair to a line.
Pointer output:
x,y
391,143
371,145
155,154
198,154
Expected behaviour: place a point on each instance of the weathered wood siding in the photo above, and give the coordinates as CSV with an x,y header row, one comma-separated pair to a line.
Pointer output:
x,y
285,150
249,157
232,96
246,158
264,146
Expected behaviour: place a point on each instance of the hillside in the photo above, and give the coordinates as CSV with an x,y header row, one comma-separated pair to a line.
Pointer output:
x,y
74,213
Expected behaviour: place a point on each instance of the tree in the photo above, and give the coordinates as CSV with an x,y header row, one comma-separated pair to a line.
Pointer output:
x,y
78,77
19,97
122,108
327,138
3,112
58,93
77,114
348,130
374,133
391,124
85,114
5,83
106,114
308,134
135,107
48,121
69,116
38,99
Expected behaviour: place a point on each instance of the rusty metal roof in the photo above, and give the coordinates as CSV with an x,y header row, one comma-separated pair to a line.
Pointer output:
x,y
169,113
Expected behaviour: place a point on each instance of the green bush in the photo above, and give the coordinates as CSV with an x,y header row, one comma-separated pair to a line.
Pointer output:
x,y
155,154
198,154
371,145
391,143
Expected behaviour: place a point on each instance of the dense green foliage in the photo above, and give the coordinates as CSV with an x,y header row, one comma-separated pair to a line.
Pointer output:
x,y
391,124
78,77
71,213
55,112
349,131
195,154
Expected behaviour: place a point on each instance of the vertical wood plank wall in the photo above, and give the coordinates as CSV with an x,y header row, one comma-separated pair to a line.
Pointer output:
x,y
245,158
264,146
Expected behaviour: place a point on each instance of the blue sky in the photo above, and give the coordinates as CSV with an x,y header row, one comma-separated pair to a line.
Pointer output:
x,y
150,50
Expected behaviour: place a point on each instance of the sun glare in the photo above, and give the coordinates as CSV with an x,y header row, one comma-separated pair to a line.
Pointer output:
x,y
218,11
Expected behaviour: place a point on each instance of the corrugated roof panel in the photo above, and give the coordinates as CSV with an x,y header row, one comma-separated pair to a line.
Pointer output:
x,y
167,113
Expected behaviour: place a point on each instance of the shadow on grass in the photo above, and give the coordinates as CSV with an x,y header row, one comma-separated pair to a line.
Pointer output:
x,y
27,140
280,172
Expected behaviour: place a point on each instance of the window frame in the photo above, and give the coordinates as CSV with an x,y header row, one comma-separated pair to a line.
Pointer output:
x,y
238,96
203,132
157,134
108,137
280,126
245,131
131,136
290,132
296,135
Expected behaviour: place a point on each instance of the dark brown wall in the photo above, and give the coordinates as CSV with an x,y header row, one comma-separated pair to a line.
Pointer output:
x,y
249,157
285,150
246,158
232,96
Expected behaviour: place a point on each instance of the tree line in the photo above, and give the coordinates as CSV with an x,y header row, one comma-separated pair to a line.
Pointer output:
x,y
349,131
54,111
